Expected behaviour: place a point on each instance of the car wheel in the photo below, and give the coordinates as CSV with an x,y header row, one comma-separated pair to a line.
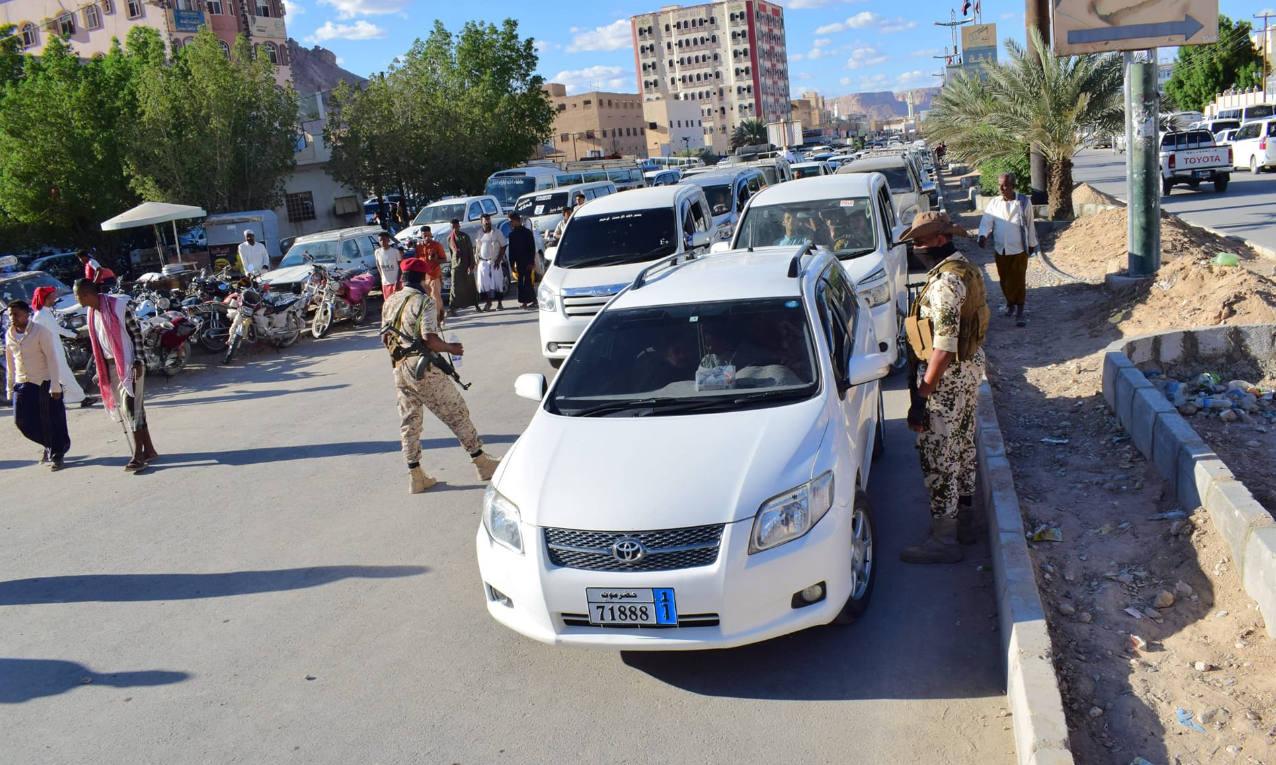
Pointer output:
x,y
1166,186
1253,165
879,438
556,363
863,564
1220,183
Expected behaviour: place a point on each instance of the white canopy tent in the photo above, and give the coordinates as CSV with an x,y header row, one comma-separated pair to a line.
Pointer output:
x,y
152,214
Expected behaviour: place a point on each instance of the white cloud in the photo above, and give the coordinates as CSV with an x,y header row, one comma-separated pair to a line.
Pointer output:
x,y
1008,16
1266,12
911,79
803,76
293,8
873,82
348,9
845,81
865,57
868,20
615,36
609,78
543,45
927,53
797,57
816,53
360,30
822,42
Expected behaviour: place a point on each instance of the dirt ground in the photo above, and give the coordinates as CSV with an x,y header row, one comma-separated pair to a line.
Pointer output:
x,y
1147,616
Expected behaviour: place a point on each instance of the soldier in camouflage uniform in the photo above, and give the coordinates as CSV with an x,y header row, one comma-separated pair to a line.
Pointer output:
x,y
412,311
951,316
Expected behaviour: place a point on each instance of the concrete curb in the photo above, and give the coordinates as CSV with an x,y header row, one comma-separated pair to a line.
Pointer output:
x,y
1032,689
1199,477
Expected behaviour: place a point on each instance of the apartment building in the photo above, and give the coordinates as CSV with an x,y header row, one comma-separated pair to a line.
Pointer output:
x,y
729,58
673,126
90,26
597,124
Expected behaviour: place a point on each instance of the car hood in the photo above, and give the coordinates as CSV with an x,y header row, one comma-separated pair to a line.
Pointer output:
x,y
607,280
289,275
631,474
859,268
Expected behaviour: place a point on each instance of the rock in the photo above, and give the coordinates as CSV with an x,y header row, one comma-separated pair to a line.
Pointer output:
x,y
1203,667
1067,609
1152,613
1189,409
1084,617
1220,614
1096,712
1234,749
1207,717
1125,579
1183,588
1076,369
1252,444
1229,416
1164,600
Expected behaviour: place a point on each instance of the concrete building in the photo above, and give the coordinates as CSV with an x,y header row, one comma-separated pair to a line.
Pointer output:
x,y
313,201
90,26
597,124
729,58
673,126
811,111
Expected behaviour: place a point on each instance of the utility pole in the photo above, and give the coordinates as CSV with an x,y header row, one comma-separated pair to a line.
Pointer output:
x,y
1266,48
1036,15
953,23
1143,167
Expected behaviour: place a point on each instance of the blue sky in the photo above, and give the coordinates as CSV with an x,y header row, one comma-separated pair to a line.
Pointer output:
x,y
835,46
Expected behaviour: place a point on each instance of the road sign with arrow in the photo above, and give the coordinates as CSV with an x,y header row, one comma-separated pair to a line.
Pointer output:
x,y
1097,26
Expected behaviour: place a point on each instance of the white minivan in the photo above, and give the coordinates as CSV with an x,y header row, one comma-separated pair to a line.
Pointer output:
x,y
604,246
1254,145
542,210
727,189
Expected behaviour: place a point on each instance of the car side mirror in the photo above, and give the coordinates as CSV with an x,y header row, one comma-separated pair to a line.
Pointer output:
x,y
700,239
897,234
531,386
720,247
928,187
867,368
550,252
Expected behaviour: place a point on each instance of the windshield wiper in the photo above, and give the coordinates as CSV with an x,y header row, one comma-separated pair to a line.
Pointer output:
x,y
848,254
664,406
621,406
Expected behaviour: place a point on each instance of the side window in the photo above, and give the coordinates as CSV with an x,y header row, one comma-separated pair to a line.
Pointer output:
x,y
475,212
490,207
844,295
367,247
888,209
834,327
688,223
698,216
1271,129
1248,131
349,250
742,195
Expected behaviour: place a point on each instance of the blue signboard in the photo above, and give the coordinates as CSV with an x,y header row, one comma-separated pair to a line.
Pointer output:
x,y
187,21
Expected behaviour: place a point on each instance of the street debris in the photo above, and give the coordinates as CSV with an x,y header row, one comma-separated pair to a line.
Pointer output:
x,y
1185,719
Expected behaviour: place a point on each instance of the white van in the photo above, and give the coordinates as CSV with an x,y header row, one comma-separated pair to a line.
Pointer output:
x,y
542,210
1248,113
727,189
1254,146
604,246
508,185
663,177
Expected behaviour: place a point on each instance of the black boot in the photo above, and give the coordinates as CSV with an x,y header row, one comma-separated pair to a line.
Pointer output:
x,y
940,547
966,520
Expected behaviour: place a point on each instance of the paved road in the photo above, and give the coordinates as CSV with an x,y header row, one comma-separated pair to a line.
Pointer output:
x,y
269,592
1247,209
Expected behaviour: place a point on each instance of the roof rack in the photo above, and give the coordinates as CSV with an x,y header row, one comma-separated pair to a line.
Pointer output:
x,y
795,266
669,262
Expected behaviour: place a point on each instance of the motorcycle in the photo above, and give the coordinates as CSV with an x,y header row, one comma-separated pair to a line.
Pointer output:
x,y
166,341
205,298
258,316
340,296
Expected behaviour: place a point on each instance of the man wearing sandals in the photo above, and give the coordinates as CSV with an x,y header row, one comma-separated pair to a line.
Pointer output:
x,y
1008,219
117,354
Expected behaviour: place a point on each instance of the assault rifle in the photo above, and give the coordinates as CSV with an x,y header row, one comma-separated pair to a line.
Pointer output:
x,y
428,358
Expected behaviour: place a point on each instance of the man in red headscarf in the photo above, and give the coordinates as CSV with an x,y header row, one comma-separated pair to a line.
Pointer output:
x,y
42,307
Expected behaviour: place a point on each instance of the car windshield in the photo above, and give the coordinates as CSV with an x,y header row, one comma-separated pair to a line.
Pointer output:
x,y
806,172
680,359
897,178
439,214
719,197
542,204
844,226
631,236
23,287
301,253
508,188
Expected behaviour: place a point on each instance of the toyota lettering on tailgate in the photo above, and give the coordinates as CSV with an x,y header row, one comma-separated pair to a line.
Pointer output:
x,y
1210,159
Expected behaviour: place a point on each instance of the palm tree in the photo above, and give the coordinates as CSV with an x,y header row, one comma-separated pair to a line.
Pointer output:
x,y
1052,105
748,133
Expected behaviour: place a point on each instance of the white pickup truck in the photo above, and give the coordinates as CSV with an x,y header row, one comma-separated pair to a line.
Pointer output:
x,y
1190,157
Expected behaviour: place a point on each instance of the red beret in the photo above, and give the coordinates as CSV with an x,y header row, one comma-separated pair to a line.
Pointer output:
x,y
415,265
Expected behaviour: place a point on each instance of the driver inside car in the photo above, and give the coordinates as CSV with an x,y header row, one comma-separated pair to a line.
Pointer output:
x,y
674,360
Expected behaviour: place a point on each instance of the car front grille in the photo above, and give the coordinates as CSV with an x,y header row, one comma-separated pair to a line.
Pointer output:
x,y
584,306
665,550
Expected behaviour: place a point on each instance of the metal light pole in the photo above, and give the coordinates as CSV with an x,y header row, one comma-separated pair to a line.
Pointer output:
x,y
1036,15
1142,107
1266,49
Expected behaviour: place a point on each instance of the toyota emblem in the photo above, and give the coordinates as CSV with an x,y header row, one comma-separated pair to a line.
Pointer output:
x,y
628,550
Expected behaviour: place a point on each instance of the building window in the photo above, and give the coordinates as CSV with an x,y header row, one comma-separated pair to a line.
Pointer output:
x,y
301,206
66,24
134,8
108,6
589,101
562,137
272,53
28,35
263,9
225,47
589,135
214,7
92,17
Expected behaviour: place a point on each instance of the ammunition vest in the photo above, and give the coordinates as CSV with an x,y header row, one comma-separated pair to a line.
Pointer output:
x,y
974,313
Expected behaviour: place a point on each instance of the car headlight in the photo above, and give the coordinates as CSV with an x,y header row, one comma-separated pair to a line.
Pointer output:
x,y
502,520
791,515
546,298
875,289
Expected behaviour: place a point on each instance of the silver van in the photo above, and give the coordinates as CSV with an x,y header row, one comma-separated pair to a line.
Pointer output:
x,y
542,210
727,189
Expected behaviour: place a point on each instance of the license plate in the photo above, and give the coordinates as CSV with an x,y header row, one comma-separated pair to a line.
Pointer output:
x,y
631,607
1201,173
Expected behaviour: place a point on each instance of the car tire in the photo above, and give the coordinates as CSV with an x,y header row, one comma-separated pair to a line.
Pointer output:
x,y
1166,187
1253,165
556,363
1220,183
863,563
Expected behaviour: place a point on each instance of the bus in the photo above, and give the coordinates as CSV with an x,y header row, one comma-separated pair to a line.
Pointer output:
x,y
508,185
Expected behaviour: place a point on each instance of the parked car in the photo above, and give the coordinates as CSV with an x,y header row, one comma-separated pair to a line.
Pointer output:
x,y
810,170
1254,145
542,210
866,243
64,266
1225,137
742,390
667,177
605,245
905,186
1192,156
341,249
727,189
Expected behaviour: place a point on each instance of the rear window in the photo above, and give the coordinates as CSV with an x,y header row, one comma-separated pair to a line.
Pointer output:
x,y
1259,112
542,204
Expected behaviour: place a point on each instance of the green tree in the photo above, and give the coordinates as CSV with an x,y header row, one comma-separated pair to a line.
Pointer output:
x,y
749,133
367,134
1203,71
61,173
1053,105
11,58
212,130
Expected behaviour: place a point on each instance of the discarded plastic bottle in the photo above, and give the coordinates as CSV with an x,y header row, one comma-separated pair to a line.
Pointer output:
x,y
456,357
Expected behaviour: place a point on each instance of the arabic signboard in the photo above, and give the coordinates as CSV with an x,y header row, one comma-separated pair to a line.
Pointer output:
x,y
978,47
262,26
1098,26
187,21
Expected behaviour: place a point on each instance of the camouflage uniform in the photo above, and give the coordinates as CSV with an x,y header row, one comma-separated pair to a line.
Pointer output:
x,y
433,391
947,444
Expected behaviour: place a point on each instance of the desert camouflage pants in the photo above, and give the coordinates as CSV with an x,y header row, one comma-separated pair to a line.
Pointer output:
x,y
436,393
947,445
